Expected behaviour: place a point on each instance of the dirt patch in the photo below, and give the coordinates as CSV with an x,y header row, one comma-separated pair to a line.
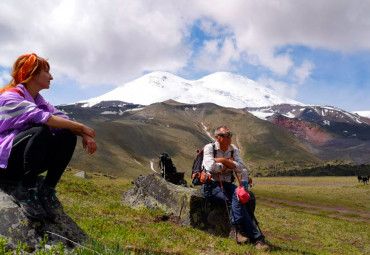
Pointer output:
x,y
333,212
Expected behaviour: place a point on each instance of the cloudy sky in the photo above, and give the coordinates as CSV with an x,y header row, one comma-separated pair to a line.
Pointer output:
x,y
316,52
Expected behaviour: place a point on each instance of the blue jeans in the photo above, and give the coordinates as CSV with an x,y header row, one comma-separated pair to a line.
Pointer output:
x,y
238,212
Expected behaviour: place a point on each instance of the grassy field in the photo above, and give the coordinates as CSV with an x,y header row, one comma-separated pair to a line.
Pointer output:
x,y
298,215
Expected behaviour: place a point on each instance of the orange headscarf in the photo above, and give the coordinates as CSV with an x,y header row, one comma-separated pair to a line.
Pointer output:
x,y
27,66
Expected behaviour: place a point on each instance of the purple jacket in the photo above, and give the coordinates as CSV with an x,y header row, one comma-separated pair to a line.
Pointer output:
x,y
18,113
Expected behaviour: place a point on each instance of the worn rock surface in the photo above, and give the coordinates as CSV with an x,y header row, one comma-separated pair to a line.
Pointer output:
x,y
16,227
187,204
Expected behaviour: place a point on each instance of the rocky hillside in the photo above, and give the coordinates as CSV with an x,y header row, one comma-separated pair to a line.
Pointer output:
x,y
331,133
131,137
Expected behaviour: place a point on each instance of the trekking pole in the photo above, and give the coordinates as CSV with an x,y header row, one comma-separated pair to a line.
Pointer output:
x,y
255,219
249,205
250,208
227,209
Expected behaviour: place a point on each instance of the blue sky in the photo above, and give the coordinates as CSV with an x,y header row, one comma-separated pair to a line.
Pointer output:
x,y
316,52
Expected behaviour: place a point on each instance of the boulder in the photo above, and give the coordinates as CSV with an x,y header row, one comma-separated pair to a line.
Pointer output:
x,y
187,205
16,227
82,174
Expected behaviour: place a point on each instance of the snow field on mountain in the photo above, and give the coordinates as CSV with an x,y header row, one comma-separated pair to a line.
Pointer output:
x,y
222,88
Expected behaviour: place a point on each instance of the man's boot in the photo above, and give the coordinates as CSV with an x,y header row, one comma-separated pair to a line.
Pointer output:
x,y
260,244
49,202
238,235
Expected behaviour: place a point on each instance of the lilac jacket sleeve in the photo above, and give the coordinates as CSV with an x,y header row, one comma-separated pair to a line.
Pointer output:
x,y
18,113
44,105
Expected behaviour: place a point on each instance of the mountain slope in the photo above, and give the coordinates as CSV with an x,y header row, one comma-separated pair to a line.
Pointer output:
x,y
130,140
331,133
222,88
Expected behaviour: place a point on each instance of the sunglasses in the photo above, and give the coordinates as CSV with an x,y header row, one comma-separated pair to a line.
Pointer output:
x,y
226,134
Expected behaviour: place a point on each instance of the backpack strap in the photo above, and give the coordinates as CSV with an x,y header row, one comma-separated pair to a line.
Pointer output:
x,y
16,90
214,150
232,152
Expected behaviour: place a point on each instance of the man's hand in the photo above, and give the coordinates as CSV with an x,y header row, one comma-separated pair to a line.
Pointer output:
x,y
226,162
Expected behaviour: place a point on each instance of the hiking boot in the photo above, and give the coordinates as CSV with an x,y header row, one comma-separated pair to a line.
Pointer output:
x,y
239,236
49,202
28,200
260,244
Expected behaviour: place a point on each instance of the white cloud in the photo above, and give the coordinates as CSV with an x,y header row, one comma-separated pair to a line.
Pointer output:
x,y
281,88
211,28
4,78
95,42
217,55
303,72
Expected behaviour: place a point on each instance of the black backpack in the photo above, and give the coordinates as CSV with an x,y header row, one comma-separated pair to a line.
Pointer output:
x,y
166,165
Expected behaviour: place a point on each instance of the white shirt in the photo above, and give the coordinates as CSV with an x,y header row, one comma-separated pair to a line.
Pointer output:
x,y
214,169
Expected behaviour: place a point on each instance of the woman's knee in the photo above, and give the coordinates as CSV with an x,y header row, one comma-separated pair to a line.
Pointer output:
x,y
37,135
73,138
68,138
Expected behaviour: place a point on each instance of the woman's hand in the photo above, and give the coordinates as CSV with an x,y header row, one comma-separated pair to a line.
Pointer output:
x,y
88,131
89,143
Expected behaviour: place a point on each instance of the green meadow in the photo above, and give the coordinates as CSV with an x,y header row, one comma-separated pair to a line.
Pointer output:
x,y
298,215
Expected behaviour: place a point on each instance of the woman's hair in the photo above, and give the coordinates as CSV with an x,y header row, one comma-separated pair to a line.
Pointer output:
x,y
25,68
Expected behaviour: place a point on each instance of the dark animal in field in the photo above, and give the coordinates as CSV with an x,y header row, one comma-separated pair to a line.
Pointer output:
x,y
250,182
359,178
365,179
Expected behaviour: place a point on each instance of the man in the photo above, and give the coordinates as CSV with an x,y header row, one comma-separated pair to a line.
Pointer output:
x,y
220,160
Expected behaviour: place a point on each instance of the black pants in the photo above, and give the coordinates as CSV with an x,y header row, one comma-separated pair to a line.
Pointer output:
x,y
37,150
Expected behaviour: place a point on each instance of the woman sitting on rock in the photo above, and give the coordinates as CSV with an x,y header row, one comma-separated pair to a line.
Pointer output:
x,y
35,137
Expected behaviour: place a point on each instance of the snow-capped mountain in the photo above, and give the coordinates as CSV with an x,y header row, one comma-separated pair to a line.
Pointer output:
x,y
312,113
320,125
363,113
222,88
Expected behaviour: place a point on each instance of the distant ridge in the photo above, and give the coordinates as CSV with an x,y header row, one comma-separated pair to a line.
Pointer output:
x,y
222,88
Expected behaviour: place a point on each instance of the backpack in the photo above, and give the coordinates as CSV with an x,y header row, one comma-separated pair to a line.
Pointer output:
x,y
166,165
199,175
169,171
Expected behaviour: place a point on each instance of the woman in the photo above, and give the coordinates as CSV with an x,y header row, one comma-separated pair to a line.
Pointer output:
x,y
35,137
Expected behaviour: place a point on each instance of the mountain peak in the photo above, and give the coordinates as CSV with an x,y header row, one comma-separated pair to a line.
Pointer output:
x,y
222,88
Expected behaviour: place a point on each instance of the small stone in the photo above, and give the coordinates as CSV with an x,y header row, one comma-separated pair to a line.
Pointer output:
x,y
82,174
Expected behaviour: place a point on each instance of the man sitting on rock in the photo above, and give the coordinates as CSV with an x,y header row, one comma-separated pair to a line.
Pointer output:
x,y
220,160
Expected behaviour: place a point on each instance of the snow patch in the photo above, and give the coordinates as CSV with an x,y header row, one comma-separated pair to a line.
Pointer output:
x,y
289,115
326,122
365,114
261,115
137,162
206,130
152,165
109,112
135,109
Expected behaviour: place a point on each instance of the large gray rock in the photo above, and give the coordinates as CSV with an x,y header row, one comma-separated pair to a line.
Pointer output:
x,y
186,204
16,227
